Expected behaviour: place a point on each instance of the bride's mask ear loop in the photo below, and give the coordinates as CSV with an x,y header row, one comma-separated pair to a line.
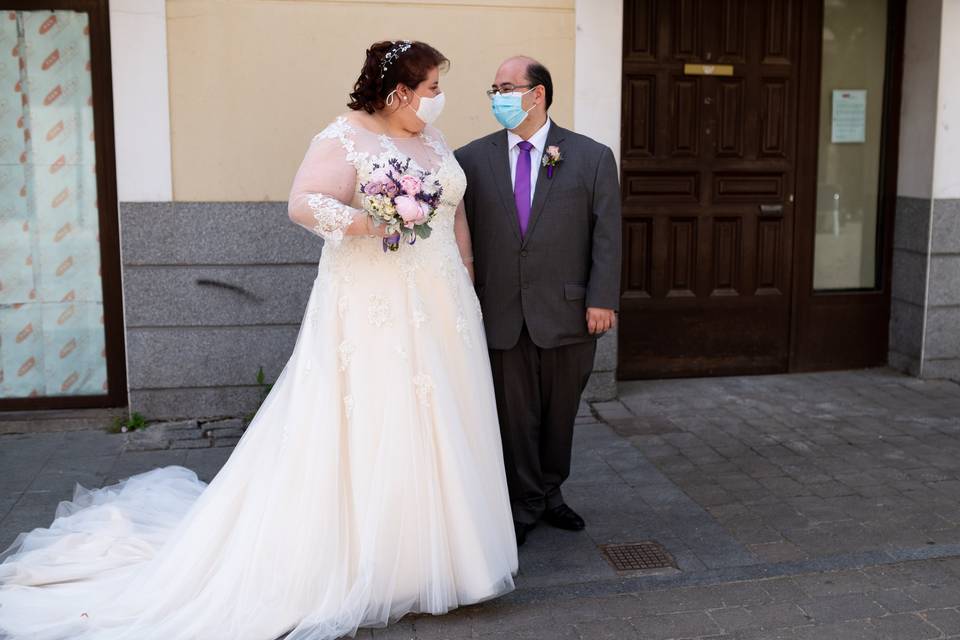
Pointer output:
x,y
391,98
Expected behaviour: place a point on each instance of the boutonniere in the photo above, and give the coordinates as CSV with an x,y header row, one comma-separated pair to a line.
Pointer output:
x,y
551,159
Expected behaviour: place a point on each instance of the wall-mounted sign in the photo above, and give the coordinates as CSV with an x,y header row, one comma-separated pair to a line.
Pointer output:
x,y
708,69
849,116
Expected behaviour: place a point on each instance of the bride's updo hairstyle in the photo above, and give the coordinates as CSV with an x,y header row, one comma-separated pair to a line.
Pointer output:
x,y
389,63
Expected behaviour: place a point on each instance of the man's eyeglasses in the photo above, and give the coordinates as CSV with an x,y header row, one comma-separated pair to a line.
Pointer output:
x,y
506,88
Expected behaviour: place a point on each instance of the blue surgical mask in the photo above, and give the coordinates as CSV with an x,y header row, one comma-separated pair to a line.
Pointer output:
x,y
508,109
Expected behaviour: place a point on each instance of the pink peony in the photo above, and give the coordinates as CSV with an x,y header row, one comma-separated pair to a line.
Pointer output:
x,y
410,185
412,211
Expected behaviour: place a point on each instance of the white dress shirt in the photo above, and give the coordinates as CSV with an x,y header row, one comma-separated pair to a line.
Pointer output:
x,y
539,142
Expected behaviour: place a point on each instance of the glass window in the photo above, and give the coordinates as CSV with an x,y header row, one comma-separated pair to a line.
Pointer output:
x,y
848,174
51,297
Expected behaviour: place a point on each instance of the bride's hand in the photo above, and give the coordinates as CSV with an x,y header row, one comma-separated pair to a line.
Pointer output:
x,y
375,229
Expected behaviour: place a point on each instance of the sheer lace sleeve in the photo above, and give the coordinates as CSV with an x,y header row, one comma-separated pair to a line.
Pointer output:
x,y
324,187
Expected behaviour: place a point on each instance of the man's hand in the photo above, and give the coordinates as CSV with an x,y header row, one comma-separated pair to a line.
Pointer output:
x,y
600,320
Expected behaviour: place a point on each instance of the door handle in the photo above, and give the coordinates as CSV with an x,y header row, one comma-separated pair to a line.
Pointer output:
x,y
771,209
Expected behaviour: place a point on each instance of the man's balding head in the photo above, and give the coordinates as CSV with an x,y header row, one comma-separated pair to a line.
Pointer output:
x,y
524,70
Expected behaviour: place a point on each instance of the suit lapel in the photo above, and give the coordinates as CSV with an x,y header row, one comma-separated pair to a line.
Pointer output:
x,y
555,135
500,169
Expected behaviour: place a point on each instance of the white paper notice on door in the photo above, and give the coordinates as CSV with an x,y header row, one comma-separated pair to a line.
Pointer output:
x,y
849,116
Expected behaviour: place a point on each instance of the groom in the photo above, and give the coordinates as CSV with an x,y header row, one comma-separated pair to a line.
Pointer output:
x,y
543,206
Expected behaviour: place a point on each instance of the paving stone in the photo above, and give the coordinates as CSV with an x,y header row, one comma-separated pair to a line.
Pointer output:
x,y
783,590
674,600
895,600
847,606
832,584
534,632
592,609
223,429
767,616
783,551
744,593
225,441
831,489
947,621
905,626
133,462
456,624
676,625
935,595
180,429
849,630
608,630
191,444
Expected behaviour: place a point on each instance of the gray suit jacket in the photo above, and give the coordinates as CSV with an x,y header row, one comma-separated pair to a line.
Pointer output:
x,y
570,257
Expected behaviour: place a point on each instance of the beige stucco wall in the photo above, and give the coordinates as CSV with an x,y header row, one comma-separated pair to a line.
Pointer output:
x,y
251,81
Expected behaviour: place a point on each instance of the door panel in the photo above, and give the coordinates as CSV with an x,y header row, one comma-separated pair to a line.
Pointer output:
x,y
708,180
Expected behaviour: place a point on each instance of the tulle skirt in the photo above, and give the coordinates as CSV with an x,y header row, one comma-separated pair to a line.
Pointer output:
x,y
370,484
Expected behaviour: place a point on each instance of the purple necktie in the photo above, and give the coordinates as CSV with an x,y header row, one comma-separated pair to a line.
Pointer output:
x,y
521,186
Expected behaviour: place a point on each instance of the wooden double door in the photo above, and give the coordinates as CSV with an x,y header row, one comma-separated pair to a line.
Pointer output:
x,y
709,168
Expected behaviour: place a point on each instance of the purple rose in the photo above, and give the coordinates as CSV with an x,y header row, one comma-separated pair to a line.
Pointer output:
x,y
378,183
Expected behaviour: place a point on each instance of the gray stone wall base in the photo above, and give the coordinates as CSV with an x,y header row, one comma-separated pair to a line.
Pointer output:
x,y
212,292
187,357
170,404
925,296
942,369
601,387
941,352
904,363
603,381
911,243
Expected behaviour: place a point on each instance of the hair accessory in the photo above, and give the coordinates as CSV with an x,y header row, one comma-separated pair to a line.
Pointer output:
x,y
398,49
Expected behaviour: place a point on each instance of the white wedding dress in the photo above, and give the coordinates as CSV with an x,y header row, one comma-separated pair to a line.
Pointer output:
x,y
369,484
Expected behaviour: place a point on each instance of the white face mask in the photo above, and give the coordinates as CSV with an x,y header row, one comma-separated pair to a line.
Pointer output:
x,y
430,107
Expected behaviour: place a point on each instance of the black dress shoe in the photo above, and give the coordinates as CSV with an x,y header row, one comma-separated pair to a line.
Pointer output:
x,y
522,529
563,517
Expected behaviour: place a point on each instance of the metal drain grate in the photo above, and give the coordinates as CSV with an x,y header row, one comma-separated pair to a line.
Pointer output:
x,y
637,556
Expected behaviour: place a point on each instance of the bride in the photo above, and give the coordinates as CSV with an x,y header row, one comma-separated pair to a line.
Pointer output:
x,y
370,484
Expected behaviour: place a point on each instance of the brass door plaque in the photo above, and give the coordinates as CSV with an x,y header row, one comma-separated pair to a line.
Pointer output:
x,y
708,69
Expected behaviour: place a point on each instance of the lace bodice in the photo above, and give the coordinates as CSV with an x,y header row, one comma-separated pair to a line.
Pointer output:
x,y
354,269
326,197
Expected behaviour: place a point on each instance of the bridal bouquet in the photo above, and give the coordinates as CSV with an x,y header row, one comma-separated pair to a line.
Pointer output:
x,y
404,200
